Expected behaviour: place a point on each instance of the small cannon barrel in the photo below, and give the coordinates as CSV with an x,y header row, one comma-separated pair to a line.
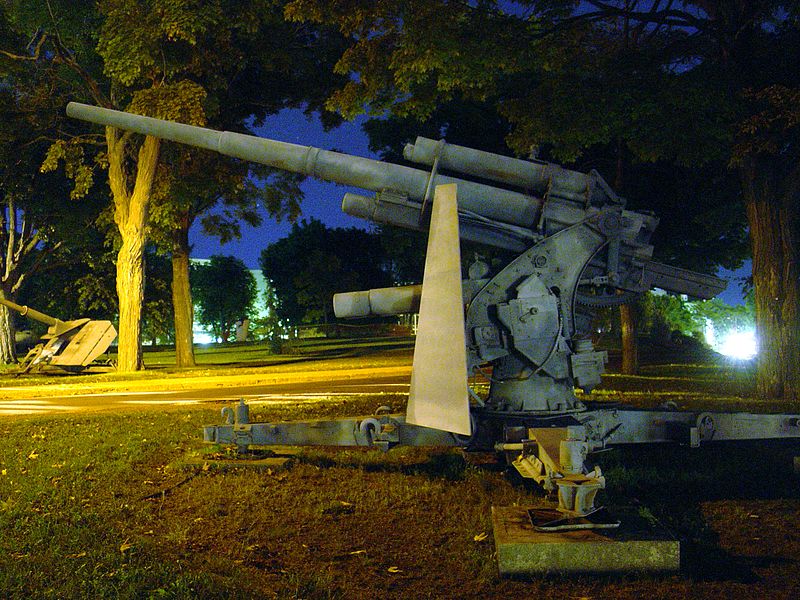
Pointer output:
x,y
381,302
31,313
506,206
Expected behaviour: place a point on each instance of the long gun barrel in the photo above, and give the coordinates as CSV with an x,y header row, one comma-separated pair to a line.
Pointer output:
x,y
31,313
498,216
534,200
494,203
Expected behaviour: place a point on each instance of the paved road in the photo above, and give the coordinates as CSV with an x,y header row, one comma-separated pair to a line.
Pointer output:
x,y
287,391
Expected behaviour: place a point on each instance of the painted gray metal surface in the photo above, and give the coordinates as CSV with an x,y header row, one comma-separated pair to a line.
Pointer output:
x,y
542,177
438,396
489,201
383,431
393,209
26,311
378,302
604,428
622,426
70,345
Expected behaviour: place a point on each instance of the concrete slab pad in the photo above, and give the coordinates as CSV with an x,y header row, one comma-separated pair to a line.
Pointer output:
x,y
636,546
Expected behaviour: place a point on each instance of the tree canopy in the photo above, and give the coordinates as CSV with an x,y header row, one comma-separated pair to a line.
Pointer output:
x,y
225,291
314,262
41,228
223,62
708,86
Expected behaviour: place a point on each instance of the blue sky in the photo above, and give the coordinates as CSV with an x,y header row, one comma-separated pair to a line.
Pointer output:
x,y
322,200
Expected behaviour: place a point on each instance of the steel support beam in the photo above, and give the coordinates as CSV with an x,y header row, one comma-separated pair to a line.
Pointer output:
x,y
379,431
628,426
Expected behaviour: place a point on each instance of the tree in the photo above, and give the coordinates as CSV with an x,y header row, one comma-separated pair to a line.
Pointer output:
x,y
665,313
314,262
178,60
276,65
267,326
125,52
157,315
700,84
223,194
41,228
85,285
225,291
731,64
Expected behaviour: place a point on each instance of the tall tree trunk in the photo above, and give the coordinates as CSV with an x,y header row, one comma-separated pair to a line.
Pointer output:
x,y
182,298
628,315
8,232
130,215
772,198
628,319
8,352
130,291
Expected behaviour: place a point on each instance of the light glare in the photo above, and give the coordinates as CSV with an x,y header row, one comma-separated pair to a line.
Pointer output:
x,y
738,344
201,337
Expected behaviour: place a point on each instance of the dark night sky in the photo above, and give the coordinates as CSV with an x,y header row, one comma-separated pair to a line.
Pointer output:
x,y
323,200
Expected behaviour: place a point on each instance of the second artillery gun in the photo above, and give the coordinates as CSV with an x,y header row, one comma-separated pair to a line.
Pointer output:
x,y
69,345
524,325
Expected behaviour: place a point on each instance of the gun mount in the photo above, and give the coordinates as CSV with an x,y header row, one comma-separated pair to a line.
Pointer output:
x,y
526,325
69,345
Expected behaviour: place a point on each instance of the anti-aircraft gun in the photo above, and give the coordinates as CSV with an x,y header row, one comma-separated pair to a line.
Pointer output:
x,y
526,325
69,345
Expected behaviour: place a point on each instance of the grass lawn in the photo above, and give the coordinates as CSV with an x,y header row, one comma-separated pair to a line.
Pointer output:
x,y
95,506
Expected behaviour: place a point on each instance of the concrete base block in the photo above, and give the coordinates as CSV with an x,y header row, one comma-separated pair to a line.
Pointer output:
x,y
636,546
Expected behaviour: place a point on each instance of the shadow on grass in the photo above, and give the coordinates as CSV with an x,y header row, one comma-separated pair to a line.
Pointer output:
x,y
316,355
449,465
674,482
706,561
